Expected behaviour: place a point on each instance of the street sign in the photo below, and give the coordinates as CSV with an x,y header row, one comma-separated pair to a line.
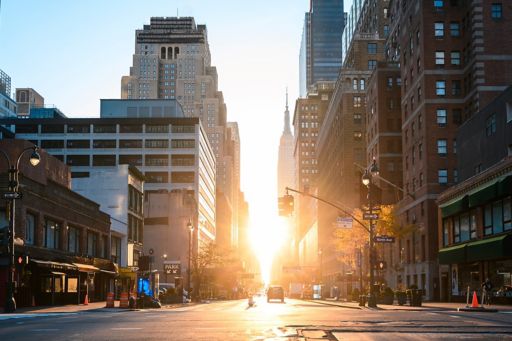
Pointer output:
x,y
172,267
368,216
12,195
384,239
344,223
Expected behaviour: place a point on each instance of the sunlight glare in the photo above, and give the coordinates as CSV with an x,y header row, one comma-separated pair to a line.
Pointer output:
x,y
268,234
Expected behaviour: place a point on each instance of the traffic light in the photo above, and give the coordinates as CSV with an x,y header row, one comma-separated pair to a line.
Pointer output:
x,y
381,265
285,204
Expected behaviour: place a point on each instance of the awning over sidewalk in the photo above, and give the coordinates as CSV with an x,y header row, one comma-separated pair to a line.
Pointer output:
x,y
53,265
490,248
454,206
86,267
453,255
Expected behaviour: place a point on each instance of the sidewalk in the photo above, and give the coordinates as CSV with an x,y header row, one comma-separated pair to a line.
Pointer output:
x,y
449,306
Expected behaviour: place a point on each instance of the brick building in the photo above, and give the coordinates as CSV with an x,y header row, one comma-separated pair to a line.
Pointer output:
x,y
65,236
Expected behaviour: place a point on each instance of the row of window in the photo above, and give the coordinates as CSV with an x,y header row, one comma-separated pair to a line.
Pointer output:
x,y
102,128
99,144
497,218
52,237
496,7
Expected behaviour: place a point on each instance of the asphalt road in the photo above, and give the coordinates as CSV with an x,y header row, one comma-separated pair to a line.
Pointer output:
x,y
233,320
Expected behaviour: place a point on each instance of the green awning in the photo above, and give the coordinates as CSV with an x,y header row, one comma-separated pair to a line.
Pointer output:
x,y
454,206
483,194
453,255
490,248
505,186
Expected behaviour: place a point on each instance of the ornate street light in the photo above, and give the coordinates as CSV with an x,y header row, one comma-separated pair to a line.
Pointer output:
x,y
372,170
12,195
191,229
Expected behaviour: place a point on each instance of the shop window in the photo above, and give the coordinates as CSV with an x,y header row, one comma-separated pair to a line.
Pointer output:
x,y
30,223
497,216
488,220
472,224
507,213
464,227
456,230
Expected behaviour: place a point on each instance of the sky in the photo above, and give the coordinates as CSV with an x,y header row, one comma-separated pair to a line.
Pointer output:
x,y
75,52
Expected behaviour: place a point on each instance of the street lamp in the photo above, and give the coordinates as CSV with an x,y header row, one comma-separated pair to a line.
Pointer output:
x,y
191,231
370,172
12,195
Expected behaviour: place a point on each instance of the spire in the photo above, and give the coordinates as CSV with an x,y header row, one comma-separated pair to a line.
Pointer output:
x,y
287,117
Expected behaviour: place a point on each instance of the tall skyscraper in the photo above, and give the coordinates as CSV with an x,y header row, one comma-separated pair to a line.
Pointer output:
x,y
320,52
172,61
7,104
286,163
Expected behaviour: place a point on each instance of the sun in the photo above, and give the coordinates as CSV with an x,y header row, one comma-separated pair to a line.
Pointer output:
x,y
268,234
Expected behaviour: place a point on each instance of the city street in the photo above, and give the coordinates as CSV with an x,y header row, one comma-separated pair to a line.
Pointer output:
x,y
233,320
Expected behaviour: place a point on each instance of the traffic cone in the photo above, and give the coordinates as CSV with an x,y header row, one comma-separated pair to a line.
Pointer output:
x,y
474,303
86,300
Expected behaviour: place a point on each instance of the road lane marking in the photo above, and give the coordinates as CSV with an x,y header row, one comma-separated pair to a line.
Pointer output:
x,y
454,316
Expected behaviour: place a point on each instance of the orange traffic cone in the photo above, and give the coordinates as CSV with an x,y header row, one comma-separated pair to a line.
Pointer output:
x,y
86,300
474,303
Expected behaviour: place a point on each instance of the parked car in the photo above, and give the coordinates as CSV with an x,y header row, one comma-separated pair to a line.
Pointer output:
x,y
275,292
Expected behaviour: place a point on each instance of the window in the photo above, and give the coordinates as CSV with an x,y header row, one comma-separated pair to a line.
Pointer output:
x,y
372,64
456,116
456,230
390,82
357,101
490,125
472,224
454,146
455,29
130,159
497,216
104,128
420,153
30,223
78,144
357,119
507,213
440,88
104,144
496,11
52,144
354,84
130,143
456,88
441,117
92,243
183,143
182,177
362,84
441,147
73,240
488,220
438,3
442,176
455,57
372,48
358,136
157,144
115,249
439,29
464,227
439,58
103,160
78,160
51,234
447,225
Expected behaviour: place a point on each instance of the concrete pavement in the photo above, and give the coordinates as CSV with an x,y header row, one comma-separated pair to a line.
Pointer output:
x,y
449,306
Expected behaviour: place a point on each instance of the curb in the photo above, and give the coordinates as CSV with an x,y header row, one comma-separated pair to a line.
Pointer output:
x,y
334,305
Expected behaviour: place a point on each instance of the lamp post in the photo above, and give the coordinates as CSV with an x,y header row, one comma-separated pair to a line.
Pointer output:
x,y
190,236
373,170
12,195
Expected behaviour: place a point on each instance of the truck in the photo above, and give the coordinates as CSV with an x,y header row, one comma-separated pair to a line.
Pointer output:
x,y
295,290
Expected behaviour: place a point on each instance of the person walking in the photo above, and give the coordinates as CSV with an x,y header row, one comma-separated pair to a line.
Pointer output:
x,y
487,290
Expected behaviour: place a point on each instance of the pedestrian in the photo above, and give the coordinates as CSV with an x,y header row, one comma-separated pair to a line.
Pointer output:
x,y
487,290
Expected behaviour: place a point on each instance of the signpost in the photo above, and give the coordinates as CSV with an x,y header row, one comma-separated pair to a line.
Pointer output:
x,y
12,195
384,239
370,216
344,222
172,268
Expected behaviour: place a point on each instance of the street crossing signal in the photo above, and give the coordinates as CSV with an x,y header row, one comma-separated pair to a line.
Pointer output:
x,y
285,205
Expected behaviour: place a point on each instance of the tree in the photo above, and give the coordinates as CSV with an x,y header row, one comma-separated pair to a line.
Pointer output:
x,y
347,240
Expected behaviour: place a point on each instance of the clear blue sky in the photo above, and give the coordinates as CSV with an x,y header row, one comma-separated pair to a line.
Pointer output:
x,y
75,52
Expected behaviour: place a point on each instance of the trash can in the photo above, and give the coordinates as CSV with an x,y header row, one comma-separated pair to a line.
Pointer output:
x,y
415,297
362,300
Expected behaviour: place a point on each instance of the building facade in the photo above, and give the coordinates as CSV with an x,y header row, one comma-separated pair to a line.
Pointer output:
x,y
119,191
27,99
449,60
320,53
475,216
62,238
8,107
